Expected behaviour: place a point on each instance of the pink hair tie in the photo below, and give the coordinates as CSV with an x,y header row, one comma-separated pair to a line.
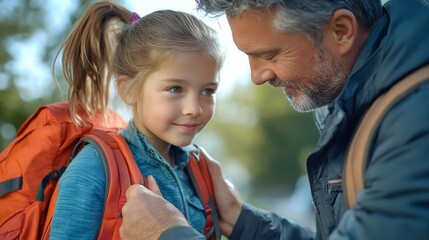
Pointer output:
x,y
134,17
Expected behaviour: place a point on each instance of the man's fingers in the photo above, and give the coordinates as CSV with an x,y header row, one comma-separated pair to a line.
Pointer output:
x,y
134,190
122,232
138,189
214,166
153,186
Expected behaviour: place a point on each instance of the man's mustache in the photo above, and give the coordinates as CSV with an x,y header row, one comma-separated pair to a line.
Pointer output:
x,y
277,82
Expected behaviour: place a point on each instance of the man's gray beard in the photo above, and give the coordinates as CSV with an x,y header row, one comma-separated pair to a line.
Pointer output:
x,y
331,79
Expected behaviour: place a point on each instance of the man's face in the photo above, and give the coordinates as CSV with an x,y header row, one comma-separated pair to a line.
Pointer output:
x,y
309,76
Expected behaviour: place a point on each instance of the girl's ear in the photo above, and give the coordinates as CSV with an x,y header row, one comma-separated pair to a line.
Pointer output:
x,y
122,83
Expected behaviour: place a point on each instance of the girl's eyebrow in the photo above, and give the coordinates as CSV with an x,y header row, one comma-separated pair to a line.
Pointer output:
x,y
178,80
214,84
172,80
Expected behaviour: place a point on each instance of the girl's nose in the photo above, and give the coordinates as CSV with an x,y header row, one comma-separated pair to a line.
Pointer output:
x,y
192,107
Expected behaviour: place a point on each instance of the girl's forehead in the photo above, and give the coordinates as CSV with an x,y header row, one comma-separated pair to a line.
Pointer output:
x,y
187,58
187,66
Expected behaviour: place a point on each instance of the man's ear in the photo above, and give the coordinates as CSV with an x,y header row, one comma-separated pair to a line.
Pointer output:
x,y
341,31
122,83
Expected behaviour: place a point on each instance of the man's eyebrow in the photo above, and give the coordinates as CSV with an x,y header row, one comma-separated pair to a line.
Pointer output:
x,y
260,52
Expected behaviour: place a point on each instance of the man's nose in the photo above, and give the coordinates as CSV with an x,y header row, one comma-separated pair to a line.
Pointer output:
x,y
261,73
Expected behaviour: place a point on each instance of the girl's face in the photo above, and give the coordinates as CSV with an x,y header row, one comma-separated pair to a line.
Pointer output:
x,y
178,100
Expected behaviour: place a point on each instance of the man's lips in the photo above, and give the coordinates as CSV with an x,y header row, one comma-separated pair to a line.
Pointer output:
x,y
287,90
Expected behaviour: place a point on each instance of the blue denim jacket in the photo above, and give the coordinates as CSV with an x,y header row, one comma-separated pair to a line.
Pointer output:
x,y
82,187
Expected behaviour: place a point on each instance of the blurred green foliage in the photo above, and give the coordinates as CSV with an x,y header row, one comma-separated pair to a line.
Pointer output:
x,y
19,21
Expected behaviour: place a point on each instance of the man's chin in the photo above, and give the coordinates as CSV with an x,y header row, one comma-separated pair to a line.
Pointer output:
x,y
302,110
301,106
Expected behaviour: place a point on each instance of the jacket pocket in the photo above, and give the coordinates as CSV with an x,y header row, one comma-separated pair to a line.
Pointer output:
x,y
334,187
196,213
195,202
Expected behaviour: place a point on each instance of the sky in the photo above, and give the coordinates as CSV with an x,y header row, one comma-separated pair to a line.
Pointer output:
x,y
33,77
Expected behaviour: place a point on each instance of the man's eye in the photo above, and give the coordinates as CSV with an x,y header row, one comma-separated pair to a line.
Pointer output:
x,y
174,89
268,57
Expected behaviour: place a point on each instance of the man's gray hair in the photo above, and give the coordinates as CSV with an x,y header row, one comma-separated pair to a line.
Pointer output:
x,y
302,16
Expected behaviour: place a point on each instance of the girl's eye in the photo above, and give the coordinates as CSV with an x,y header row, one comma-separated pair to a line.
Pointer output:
x,y
209,91
174,89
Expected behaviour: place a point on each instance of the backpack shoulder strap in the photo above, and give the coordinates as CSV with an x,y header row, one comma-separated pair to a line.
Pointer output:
x,y
356,157
201,179
121,172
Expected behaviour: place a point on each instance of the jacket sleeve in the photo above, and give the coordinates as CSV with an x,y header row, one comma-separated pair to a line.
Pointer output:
x,y
254,223
181,233
395,201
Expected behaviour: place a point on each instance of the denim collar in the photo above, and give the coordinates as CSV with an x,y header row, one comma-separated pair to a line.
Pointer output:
x,y
145,153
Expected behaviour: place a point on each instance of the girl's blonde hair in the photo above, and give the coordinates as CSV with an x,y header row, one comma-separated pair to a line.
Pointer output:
x,y
103,44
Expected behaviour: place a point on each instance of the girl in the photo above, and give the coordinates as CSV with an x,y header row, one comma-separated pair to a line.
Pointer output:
x,y
166,69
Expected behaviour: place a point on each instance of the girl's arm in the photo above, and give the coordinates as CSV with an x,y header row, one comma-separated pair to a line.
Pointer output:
x,y
78,211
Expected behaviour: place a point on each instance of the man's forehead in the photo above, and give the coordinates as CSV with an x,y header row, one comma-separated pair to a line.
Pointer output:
x,y
254,32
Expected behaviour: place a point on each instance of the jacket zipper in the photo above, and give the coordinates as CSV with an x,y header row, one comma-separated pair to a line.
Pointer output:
x,y
176,178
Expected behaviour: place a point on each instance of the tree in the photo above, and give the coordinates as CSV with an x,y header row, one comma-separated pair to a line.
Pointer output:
x,y
21,21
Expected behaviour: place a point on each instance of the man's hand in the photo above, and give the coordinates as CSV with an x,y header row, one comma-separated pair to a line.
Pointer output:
x,y
228,201
146,214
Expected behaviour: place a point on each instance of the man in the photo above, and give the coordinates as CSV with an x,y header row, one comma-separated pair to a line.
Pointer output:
x,y
334,58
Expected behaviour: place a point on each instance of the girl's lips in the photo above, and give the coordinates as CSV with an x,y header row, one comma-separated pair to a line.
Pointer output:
x,y
188,127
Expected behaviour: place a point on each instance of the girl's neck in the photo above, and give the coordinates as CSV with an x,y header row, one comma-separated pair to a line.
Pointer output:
x,y
170,157
165,150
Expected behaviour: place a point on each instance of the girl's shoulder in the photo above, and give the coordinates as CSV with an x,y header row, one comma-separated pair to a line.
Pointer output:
x,y
85,169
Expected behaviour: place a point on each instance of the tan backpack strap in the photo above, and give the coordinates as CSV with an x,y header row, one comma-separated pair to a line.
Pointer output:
x,y
356,157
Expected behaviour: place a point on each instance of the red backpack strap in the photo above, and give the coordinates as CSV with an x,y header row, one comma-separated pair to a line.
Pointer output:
x,y
121,172
201,179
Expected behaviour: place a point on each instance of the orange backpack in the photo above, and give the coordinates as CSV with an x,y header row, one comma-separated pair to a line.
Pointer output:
x,y
32,164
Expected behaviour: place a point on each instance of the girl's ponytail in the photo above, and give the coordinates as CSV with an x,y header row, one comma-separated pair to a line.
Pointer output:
x,y
87,54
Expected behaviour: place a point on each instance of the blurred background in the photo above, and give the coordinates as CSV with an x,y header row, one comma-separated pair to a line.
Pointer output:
x,y
260,141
